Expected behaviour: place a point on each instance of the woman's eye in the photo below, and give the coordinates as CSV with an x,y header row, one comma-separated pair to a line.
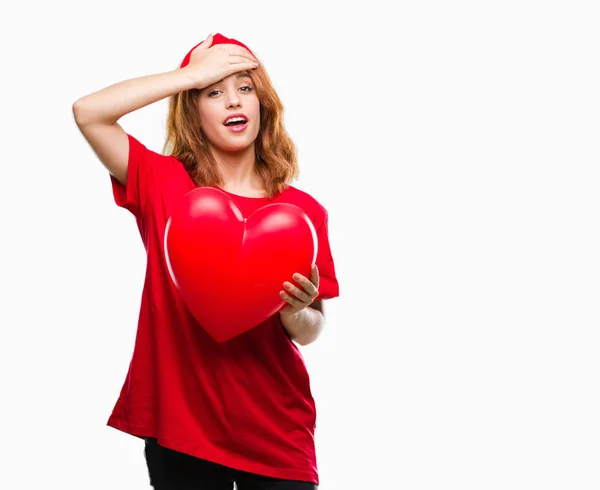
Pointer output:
x,y
210,94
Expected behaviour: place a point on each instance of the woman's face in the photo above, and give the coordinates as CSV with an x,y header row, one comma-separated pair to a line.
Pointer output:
x,y
217,103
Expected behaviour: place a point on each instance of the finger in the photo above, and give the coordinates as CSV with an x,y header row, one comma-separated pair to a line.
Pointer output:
x,y
244,59
301,295
239,68
292,301
314,277
241,59
206,43
234,49
308,286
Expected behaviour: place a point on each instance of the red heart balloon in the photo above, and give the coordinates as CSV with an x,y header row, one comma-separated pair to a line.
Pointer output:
x,y
228,269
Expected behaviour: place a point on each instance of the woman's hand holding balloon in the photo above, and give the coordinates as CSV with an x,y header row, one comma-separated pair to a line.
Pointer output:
x,y
297,298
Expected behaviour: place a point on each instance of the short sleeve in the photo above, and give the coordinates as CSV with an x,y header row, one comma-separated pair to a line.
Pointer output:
x,y
328,284
133,195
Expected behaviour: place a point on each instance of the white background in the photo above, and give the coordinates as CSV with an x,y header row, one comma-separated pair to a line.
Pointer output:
x,y
455,146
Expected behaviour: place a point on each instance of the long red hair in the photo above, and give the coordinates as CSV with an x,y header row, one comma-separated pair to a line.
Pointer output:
x,y
276,157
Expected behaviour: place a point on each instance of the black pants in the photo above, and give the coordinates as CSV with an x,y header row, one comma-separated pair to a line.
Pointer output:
x,y
172,470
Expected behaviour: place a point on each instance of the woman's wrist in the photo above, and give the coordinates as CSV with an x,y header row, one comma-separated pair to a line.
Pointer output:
x,y
303,326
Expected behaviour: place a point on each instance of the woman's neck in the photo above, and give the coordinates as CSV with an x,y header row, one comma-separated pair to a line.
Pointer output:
x,y
239,172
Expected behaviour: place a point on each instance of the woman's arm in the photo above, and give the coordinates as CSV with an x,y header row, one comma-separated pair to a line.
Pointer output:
x,y
96,114
109,104
305,326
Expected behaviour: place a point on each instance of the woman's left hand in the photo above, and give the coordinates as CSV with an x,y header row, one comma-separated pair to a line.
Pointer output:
x,y
298,299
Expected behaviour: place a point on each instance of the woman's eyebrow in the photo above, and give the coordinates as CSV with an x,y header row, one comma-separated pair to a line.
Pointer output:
x,y
238,76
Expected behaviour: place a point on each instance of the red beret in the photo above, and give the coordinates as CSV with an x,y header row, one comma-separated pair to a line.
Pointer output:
x,y
217,39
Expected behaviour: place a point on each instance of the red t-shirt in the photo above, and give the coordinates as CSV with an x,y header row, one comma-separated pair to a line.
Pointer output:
x,y
245,403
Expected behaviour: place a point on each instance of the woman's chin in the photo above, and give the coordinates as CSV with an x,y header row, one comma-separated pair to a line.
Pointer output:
x,y
235,147
234,144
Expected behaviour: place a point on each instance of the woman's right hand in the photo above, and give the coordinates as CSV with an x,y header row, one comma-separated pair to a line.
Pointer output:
x,y
209,64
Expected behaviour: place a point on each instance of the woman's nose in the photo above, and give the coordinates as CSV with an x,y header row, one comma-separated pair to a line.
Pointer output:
x,y
233,101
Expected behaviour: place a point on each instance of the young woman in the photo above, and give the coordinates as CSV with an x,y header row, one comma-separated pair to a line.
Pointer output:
x,y
213,413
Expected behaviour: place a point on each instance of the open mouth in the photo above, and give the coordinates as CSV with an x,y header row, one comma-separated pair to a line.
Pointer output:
x,y
236,121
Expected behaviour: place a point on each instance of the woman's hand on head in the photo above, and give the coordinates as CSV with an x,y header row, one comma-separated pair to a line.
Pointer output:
x,y
210,64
